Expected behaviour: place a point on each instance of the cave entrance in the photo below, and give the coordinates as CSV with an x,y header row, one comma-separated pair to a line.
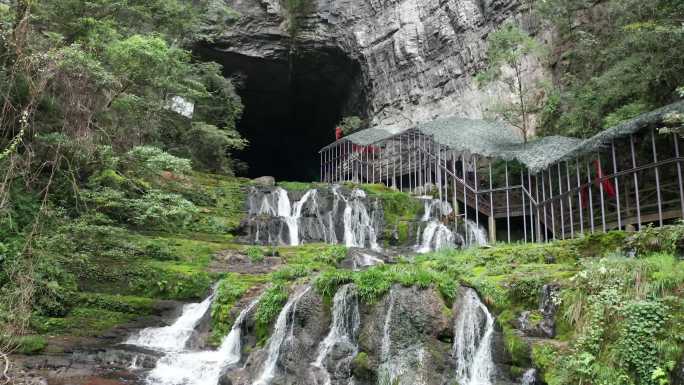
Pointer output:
x,y
292,108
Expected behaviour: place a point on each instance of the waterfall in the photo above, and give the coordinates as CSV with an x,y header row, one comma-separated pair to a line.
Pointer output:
x,y
283,331
474,235
277,204
342,335
173,338
204,367
361,260
386,338
472,349
399,365
359,229
436,236
529,377
430,204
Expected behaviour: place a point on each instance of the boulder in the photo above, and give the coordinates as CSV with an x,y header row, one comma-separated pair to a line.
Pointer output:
x,y
264,181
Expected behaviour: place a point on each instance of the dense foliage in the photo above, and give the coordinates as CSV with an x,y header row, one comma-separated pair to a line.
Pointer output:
x,y
105,115
612,60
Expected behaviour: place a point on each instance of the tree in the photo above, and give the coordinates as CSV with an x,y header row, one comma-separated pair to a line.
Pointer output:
x,y
508,47
617,58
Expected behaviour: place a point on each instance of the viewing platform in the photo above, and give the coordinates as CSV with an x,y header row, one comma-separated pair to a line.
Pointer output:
x,y
626,177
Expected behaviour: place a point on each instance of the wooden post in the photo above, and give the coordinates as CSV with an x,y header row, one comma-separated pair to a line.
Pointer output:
x,y
529,190
579,197
603,210
560,201
572,213
492,229
524,210
439,163
679,173
476,186
401,164
617,185
536,196
465,191
657,176
492,220
553,214
322,176
636,181
546,220
454,197
591,199
508,207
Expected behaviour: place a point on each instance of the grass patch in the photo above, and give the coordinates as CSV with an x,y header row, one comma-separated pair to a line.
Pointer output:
x,y
81,321
229,291
272,301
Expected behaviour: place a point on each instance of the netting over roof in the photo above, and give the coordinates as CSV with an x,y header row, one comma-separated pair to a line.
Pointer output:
x,y
369,136
474,136
499,140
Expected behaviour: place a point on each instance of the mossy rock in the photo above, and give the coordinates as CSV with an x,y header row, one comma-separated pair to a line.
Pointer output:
x,y
362,368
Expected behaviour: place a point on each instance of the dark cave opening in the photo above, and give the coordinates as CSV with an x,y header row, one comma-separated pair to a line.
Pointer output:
x,y
292,107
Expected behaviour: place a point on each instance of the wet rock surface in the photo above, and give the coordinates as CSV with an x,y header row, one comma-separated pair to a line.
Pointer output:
x,y
541,323
336,215
417,59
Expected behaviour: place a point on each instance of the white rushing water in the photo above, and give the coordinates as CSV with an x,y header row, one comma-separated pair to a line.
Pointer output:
x,y
474,235
472,347
277,204
399,365
202,367
529,377
436,236
359,229
283,330
173,338
343,331
361,260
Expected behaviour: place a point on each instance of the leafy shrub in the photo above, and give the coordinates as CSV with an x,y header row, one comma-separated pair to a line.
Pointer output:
x,y
255,254
291,272
154,160
158,208
159,252
269,307
28,344
228,293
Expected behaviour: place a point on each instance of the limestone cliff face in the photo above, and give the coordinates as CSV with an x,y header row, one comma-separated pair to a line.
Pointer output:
x,y
418,58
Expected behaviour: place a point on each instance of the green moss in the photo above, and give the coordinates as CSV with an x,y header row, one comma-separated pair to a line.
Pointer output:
x,y
29,344
229,291
399,209
116,302
516,346
81,322
298,186
270,304
361,367
255,254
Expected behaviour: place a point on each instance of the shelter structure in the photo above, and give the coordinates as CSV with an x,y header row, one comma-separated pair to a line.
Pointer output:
x,y
625,177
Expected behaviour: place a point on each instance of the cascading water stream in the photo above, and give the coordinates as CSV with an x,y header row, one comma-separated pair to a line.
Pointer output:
x,y
362,260
204,367
342,335
359,230
283,331
436,236
474,235
472,347
173,338
529,377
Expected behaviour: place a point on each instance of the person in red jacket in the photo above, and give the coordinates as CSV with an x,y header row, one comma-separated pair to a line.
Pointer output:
x,y
338,133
